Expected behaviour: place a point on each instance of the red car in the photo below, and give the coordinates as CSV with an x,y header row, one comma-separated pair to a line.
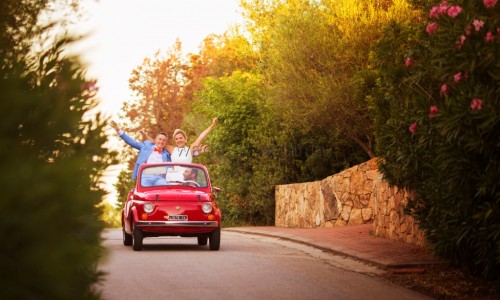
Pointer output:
x,y
172,199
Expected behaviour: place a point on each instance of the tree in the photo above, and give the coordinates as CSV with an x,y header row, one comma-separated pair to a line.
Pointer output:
x,y
220,55
438,126
223,85
158,84
123,186
236,100
52,160
309,65
315,56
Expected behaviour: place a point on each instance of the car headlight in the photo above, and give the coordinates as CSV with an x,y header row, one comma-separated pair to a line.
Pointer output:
x,y
148,207
206,208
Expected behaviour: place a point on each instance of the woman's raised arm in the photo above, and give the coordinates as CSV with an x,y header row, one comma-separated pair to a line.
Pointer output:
x,y
204,134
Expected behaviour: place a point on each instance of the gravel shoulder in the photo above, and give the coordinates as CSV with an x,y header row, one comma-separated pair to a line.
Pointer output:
x,y
445,281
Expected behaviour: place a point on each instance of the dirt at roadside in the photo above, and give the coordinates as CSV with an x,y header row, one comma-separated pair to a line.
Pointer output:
x,y
445,281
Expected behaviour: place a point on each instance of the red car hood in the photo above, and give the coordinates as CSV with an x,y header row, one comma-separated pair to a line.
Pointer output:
x,y
173,195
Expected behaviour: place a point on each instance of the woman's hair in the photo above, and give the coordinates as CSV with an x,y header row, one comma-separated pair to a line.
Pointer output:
x,y
177,131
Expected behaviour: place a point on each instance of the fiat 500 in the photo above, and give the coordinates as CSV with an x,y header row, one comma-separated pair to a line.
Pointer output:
x,y
171,199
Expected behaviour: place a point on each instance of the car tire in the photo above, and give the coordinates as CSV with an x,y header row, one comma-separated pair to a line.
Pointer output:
x,y
137,238
127,238
202,240
215,239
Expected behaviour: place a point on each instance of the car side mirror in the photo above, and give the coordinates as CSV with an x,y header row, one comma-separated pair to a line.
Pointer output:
x,y
216,189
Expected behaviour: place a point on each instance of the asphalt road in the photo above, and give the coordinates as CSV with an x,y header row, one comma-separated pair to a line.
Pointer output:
x,y
245,267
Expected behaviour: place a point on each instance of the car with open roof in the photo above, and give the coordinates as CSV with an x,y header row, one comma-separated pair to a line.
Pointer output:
x,y
172,199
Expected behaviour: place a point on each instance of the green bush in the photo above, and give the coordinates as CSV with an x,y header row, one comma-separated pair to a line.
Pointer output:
x,y
437,127
52,159
235,101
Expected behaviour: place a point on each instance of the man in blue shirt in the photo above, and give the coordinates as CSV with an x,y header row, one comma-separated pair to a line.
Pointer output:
x,y
149,152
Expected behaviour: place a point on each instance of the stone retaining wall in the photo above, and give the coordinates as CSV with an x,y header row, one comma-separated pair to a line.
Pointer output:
x,y
390,220
357,195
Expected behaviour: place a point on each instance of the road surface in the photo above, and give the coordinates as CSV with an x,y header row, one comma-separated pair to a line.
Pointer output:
x,y
245,267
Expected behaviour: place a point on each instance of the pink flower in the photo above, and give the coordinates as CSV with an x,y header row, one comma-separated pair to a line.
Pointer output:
x,y
461,42
443,7
408,62
434,111
413,128
431,28
478,24
490,3
434,12
476,104
444,89
453,11
489,37
457,77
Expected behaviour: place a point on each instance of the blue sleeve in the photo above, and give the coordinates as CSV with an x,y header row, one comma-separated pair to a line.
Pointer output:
x,y
135,144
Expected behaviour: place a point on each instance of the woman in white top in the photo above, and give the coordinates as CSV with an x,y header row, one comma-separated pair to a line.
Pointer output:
x,y
181,152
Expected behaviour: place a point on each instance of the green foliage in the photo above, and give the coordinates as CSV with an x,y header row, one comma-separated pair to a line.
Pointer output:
x,y
306,67
236,101
449,92
312,52
110,215
310,117
123,186
52,159
392,104
50,188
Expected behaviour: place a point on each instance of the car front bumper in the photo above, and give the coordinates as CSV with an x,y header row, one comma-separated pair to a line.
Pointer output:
x,y
191,224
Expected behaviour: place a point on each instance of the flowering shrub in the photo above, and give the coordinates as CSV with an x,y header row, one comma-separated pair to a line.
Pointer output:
x,y
431,28
477,104
433,111
438,129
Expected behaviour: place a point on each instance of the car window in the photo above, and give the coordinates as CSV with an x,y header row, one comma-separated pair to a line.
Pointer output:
x,y
154,170
201,177
173,175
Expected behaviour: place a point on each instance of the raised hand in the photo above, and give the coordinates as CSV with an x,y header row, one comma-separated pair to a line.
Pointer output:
x,y
114,125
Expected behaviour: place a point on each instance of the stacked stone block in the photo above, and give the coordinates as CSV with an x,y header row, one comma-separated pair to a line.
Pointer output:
x,y
357,195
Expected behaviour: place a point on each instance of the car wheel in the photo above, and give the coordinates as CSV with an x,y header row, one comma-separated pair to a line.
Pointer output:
x,y
137,237
215,239
127,238
202,240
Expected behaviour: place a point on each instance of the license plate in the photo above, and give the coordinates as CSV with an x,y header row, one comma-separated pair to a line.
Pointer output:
x,y
177,218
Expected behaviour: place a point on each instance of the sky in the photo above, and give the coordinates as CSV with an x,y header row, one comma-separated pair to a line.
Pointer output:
x,y
121,33
124,32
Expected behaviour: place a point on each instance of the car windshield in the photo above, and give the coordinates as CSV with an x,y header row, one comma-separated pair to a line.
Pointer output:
x,y
170,175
